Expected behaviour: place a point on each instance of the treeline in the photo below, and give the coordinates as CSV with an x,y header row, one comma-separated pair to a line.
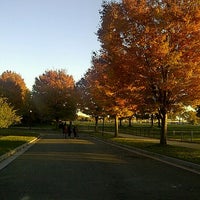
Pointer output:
x,y
52,98
149,61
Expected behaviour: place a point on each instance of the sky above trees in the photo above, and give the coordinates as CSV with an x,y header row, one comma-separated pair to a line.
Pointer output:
x,y
49,34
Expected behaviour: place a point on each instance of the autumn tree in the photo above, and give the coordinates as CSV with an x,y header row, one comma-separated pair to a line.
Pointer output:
x,y
13,87
53,95
86,101
106,90
8,115
160,45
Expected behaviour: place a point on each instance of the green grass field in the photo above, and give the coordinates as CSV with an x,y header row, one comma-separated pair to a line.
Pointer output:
x,y
8,143
182,132
11,138
183,153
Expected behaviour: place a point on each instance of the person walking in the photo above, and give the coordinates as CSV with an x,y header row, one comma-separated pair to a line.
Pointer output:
x,y
75,131
65,130
69,129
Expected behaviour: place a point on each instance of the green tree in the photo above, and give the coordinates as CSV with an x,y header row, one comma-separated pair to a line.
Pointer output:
x,y
8,115
54,95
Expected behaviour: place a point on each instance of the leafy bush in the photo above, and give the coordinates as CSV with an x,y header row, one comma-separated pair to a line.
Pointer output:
x,y
7,114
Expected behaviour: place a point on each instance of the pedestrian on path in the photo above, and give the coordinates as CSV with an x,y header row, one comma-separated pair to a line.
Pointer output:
x,y
69,129
75,131
65,130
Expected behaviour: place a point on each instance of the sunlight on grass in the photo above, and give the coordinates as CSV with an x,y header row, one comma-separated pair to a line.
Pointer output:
x,y
8,143
17,138
187,154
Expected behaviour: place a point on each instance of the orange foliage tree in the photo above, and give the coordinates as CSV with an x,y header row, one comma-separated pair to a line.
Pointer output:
x,y
157,44
86,101
13,87
107,91
53,95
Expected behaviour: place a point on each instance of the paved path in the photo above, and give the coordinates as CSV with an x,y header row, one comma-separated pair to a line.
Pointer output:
x,y
56,168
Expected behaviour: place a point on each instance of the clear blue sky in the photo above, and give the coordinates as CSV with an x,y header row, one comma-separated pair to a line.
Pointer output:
x,y
37,35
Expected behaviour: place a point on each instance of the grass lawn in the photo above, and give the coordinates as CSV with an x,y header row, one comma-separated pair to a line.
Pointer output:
x,y
8,143
11,138
183,153
182,132
18,132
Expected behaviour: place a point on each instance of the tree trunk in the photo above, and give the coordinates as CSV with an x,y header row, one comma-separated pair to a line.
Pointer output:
x,y
103,125
158,118
116,126
129,121
152,122
120,122
96,123
163,135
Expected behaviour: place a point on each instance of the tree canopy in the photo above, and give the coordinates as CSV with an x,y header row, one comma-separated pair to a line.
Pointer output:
x,y
13,87
53,95
153,46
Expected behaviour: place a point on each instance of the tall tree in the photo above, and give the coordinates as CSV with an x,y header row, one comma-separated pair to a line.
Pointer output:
x,y
107,90
86,101
160,41
13,87
53,94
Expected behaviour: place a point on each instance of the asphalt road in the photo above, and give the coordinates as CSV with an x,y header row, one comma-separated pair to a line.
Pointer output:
x,y
73,169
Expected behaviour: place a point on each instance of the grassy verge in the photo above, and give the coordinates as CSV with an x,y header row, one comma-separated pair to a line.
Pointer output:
x,y
18,132
13,137
183,153
8,143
